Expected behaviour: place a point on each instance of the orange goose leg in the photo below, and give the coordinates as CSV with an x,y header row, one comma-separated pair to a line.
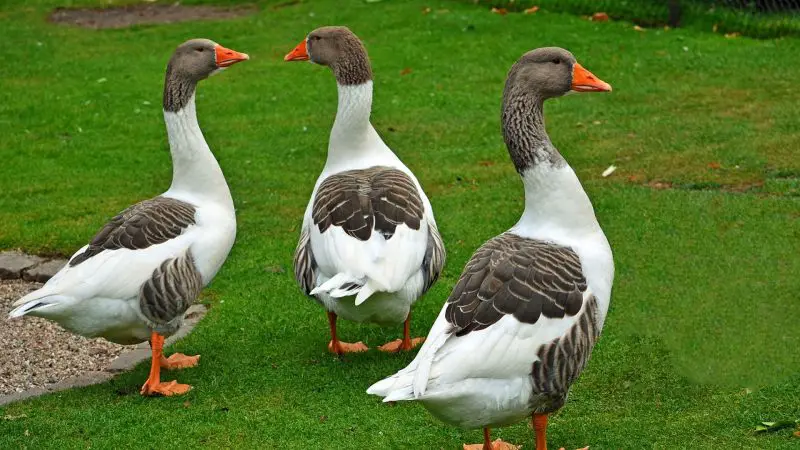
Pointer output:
x,y
540,426
498,444
339,347
404,344
153,385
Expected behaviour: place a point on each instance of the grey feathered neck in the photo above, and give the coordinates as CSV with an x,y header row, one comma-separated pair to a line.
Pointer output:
x,y
523,129
353,67
178,89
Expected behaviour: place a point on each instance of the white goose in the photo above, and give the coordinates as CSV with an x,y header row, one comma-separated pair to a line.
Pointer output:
x,y
142,271
521,323
369,246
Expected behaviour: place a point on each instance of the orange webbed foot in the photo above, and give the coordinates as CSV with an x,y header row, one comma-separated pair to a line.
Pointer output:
x,y
179,361
167,388
340,348
398,345
498,444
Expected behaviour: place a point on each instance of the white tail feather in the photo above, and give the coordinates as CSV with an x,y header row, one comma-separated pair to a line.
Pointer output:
x,y
36,303
341,285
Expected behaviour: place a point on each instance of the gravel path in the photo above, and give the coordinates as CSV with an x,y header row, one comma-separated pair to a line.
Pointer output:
x,y
35,352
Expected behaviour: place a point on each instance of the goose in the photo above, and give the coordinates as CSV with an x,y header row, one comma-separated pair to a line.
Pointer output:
x,y
140,273
521,322
369,246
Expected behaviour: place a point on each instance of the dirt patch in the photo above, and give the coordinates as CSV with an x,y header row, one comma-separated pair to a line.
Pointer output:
x,y
126,16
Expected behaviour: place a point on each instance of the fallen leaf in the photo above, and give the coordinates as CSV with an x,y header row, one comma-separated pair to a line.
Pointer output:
x,y
596,122
638,28
501,11
16,417
609,170
323,418
187,404
732,35
426,10
405,71
775,426
485,163
531,10
600,17
102,80
714,165
796,434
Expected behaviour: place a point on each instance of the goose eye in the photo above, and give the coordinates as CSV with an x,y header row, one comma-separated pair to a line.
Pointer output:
x,y
199,49
557,61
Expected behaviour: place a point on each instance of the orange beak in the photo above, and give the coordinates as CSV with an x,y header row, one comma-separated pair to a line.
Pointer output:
x,y
298,54
585,81
227,57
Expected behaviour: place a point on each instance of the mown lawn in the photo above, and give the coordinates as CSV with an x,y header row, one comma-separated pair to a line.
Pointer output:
x,y
703,214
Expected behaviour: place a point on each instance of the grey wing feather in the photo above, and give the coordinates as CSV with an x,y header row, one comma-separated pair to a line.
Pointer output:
x,y
169,292
434,259
304,264
360,201
511,275
147,223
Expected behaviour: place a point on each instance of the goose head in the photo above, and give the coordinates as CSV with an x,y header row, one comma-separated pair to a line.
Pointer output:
x,y
552,72
338,48
197,59
193,61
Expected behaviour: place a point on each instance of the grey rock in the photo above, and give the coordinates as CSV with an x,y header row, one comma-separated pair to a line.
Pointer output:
x,y
43,271
12,264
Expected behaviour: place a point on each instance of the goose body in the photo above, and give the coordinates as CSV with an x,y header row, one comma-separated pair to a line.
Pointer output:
x,y
369,246
521,322
140,273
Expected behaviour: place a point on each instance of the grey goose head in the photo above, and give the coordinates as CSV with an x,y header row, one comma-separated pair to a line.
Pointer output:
x,y
193,61
537,76
337,48
552,72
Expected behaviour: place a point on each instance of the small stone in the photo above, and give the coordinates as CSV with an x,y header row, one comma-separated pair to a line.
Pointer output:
x,y
43,271
13,263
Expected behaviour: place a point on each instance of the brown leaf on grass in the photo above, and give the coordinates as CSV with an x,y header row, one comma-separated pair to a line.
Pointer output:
x,y
732,35
638,28
600,17
531,10
187,404
659,185
501,11
485,163
405,71
426,10
714,165
796,434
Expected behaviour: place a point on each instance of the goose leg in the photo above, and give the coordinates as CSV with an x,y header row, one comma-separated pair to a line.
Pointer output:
x,y
540,426
153,385
498,444
339,347
404,344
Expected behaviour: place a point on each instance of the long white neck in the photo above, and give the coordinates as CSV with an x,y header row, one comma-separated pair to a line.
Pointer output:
x,y
555,203
195,171
352,136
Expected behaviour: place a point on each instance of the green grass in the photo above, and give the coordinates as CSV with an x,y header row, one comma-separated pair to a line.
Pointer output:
x,y
702,339
702,15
